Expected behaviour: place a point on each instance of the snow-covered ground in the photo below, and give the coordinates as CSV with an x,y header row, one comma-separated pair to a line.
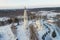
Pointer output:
x,y
24,34
52,27
6,33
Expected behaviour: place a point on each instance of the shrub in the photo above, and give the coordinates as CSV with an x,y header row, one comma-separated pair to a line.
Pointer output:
x,y
10,21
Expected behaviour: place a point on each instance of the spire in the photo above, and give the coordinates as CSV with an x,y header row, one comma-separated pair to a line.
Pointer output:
x,y
25,8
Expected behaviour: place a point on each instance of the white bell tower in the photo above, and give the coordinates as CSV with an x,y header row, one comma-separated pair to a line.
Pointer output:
x,y
25,18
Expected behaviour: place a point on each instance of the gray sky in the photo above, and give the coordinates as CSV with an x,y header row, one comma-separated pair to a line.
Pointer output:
x,y
9,4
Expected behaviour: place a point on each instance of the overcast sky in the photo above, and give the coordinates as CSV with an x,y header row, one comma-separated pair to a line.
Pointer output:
x,y
9,4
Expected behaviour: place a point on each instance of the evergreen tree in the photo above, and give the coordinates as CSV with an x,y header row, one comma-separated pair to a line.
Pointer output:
x,y
53,34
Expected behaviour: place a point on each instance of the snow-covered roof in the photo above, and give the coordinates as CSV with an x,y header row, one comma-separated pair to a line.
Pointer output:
x,y
4,18
53,14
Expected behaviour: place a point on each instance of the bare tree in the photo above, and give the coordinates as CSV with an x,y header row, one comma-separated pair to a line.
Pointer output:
x,y
33,34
